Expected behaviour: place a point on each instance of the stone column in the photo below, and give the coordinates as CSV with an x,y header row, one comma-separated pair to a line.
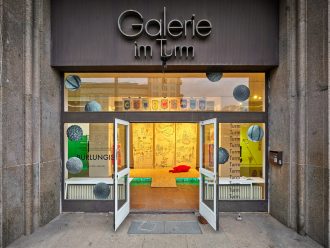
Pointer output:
x,y
30,154
302,118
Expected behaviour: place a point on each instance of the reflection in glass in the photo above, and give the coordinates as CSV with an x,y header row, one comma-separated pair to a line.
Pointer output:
x,y
122,191
167,92
208,192
88,160
101,191
121,147
242,177
208,147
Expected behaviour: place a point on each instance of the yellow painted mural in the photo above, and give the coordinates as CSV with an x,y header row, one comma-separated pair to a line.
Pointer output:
x,y
143,145
186,144
164,145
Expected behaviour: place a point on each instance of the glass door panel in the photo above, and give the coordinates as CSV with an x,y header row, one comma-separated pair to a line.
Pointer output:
x,y
121,175
208,204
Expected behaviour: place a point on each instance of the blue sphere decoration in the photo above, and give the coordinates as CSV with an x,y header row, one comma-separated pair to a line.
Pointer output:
x,y
255,133
214,76
223,155
74,133
74,165
72,82
93,106
241,93
101,191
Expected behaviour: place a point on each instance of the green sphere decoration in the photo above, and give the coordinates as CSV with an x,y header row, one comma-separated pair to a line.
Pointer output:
x,y
214,76
101,191
241,93
255,133
74,133
223,155
74,165
72,82
93,106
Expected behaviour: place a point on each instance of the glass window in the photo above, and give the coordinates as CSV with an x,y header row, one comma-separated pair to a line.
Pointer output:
x,y
122,191
242,161
208,192
88,161
208,147
163,92
121,147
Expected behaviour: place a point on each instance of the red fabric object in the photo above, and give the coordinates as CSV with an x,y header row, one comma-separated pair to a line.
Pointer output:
x,y
180,168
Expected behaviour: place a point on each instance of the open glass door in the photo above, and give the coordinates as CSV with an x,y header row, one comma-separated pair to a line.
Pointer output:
x,y
208,168
121,169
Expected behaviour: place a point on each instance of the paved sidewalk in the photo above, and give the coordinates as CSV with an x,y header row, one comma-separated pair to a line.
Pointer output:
x,y
95,230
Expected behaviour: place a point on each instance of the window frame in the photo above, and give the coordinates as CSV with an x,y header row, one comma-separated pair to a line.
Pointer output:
x,y
167,116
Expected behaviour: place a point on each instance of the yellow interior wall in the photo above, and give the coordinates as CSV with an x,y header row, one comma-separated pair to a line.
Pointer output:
x,y
164,145
229,138
186,144
143,145
252,159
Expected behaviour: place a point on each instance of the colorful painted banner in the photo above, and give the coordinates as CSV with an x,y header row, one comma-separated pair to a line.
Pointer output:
x,y
155,104
183,103
145,104
192,104
127,104
202,104
174,104
164,104
137,104
210,105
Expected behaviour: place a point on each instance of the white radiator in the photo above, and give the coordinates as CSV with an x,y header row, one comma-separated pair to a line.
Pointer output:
x,y
235,192
85,192
227,192
240,192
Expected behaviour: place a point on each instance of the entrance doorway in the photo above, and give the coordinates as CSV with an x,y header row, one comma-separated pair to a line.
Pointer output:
x,y
155,160
164,166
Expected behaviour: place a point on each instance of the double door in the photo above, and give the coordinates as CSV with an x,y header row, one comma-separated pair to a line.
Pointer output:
x,y
208,168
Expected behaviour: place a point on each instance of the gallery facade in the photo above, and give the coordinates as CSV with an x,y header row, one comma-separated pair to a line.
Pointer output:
x,y
121,106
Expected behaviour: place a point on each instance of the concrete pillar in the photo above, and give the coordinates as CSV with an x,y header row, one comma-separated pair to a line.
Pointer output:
x,y
328,47
1,103
302,118
299,190
37,27
30,100
28,79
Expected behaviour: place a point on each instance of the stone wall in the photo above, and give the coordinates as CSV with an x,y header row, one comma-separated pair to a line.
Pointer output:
x,y
30,156
298,120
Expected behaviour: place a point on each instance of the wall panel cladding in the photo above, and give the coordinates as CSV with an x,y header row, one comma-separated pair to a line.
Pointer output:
x,y
44,104
283,109
279,121
12,120
50,119
317,212
244,33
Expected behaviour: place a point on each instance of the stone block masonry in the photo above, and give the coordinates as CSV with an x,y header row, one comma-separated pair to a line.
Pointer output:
x,y
30,160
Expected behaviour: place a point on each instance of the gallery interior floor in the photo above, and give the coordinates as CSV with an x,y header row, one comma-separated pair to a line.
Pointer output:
x,y
160,190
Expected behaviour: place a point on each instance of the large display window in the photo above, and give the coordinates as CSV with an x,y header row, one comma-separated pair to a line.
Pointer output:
x,y
129,92
164,113
158,147
242,171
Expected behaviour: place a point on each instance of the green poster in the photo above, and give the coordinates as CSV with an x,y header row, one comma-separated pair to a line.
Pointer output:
x,y
79,149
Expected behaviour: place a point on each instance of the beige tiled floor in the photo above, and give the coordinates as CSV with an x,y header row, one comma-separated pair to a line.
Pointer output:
x,y
95,230
182,197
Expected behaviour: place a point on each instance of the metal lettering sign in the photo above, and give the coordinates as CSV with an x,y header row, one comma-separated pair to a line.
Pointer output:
x,y
160,30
